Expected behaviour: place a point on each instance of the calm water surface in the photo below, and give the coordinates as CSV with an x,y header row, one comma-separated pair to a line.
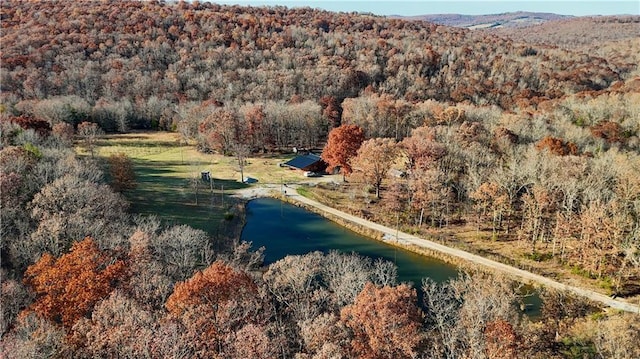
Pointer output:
x,y
284,229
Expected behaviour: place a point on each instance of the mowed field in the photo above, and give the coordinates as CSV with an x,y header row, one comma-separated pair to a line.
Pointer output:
x,y
167,170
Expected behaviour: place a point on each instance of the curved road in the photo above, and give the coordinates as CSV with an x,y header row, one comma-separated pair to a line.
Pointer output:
x,y
408,239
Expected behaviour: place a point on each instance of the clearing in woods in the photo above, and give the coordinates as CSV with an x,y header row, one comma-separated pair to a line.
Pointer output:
x,y
168,170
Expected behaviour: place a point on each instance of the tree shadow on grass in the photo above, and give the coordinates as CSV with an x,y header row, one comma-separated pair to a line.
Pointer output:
x,y
166,192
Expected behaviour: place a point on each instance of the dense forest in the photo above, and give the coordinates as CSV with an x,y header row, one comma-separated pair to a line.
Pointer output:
x,y
146,64
527,138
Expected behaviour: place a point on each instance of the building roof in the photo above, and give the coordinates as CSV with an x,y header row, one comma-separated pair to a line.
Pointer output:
x,y
303,161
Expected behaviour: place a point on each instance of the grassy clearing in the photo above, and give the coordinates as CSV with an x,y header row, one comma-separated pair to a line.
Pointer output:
x,y
165,172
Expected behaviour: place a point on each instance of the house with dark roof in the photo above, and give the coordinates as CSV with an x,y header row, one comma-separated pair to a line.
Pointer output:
x,y
307,162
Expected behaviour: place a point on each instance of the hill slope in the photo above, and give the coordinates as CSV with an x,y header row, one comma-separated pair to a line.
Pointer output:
x,y
506,20
574,32
135,51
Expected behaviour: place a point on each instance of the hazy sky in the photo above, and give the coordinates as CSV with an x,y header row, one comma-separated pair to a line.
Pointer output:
x,y
468,7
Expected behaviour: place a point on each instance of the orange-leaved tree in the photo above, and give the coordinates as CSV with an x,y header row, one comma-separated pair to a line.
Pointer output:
x,y
331,110
121,169
213,286
557,146
342,145
385,322
502,340
67,288
213,305
374,160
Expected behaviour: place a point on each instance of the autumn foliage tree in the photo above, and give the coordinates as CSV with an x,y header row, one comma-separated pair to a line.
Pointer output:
x,y
63,131
213,286
557,146
40,126
255,119
609,131
68,287
422,148
502,340
374,159
331,111
212,305
121,169
385,322
219,131
342,145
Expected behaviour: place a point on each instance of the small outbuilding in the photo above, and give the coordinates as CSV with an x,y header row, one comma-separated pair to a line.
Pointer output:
x,y
307,162
397,173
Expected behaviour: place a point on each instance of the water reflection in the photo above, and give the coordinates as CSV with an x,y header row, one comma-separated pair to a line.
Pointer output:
x,y
284,230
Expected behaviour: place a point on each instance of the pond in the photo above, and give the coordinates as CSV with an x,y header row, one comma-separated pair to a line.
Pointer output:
x,y
284,229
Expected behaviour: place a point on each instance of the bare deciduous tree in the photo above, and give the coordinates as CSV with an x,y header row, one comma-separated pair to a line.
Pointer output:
x,y
182,250
70,209
89,132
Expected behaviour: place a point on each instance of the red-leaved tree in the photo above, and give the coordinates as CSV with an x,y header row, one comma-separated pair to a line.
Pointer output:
x,y
212,306
502,340
385,322
342,145
40,126
67,288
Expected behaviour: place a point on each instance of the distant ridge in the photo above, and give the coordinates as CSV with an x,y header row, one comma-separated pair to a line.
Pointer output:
x,y
570,33
509,19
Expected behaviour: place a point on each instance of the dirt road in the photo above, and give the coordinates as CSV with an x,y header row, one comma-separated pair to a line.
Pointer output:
x,y
407,239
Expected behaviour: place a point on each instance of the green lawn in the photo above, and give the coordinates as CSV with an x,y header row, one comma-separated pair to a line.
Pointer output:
x,y
165,171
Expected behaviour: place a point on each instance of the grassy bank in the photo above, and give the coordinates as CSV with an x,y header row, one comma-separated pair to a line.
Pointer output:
x,y
168,170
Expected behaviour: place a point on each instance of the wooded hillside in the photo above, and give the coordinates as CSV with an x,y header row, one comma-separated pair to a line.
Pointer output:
x,y
141,61
528,144
575,33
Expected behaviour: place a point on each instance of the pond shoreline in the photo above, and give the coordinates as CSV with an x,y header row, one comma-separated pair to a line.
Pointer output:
x,y
460,258
273,192
377,235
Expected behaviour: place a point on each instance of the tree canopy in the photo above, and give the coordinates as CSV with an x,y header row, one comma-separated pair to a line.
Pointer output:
x,y
68,287
342,145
